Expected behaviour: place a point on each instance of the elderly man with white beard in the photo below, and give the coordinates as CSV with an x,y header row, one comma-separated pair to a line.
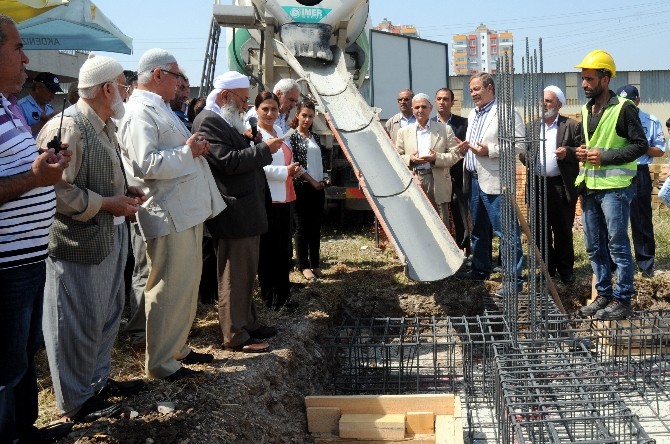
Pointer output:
x,y
237,167
88,245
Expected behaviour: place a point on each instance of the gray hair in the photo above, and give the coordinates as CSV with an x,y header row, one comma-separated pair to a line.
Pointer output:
x,y
286,85
486,78
90,92
145,77
5,20
421,96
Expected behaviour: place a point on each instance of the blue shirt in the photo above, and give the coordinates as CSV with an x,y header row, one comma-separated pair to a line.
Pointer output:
x,y
404,121
653,131
32,111
476,134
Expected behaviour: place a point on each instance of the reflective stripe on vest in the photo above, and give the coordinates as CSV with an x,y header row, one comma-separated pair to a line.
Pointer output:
x,y
605,137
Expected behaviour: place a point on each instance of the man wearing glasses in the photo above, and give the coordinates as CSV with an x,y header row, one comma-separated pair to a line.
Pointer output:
x,y
161,156
404,117
88,245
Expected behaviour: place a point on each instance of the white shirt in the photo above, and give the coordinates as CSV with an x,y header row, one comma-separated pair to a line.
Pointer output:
x,y
423,144
547,163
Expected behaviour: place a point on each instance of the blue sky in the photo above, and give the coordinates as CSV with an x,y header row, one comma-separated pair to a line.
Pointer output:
x,y
634,32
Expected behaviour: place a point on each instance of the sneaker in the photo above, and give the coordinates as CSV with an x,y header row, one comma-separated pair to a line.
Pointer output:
x,y
591,309
615,310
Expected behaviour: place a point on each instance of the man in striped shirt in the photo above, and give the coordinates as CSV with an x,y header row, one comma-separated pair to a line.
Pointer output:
x,y
27,208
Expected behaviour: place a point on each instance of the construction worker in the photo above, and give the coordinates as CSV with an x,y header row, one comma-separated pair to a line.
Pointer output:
x,y
614,139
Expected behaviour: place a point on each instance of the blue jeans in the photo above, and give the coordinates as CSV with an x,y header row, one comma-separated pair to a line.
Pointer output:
x,y
20,338
485,210
605,216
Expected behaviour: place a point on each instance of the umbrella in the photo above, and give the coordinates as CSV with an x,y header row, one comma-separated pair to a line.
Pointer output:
x,y
74,25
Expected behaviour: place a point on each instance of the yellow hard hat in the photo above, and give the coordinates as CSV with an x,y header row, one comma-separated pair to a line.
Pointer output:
x,y
598,59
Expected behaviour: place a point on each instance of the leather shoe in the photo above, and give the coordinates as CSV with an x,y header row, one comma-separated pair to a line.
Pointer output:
x,y
122,388
183,372
96,408
263,332
251,345
50,433
197,358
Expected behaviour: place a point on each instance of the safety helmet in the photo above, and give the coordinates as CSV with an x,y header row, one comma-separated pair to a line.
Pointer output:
x,y
598,59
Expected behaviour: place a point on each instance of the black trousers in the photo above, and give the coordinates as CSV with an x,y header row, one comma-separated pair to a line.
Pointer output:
x,y
274,260
560,254
640,221
308,216
459,207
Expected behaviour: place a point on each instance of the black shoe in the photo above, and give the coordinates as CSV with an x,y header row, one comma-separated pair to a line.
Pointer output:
x,y
182,373
51,433
470,276
122,388
96,408
615,311
263,332
595,306
197,358
296,285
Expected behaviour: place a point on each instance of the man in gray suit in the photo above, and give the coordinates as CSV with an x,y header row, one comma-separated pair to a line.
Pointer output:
x,y
88,245
162,157
429,148
404,117
555,162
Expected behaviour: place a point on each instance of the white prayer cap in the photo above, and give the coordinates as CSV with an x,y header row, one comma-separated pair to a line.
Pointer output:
x,y
231,80
154,58
97,70
556,90
421,96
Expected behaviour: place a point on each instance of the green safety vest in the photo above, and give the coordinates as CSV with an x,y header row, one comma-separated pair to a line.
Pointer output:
x,y
605,137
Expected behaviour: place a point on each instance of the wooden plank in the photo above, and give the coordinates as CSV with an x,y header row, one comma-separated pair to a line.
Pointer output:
x,y
372,426
420,422
444,429
323,419
442,404
416,439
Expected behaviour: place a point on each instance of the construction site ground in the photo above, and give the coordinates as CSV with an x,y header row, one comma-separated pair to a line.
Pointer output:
x,y
246,398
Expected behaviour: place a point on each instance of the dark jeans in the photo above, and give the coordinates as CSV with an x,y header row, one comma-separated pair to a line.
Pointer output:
x,y
308,216
274,260
20,338
640,221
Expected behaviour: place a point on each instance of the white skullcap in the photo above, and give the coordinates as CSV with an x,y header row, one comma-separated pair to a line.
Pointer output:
x,y
227,80
421,96
556,90
154,58
97,70
231,80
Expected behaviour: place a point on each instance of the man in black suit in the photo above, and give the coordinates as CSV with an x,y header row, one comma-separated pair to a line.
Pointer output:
x,y
237,168
555,160
444,100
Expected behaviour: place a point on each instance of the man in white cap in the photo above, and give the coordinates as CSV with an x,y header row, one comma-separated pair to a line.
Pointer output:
x,y
88,244
429,149
238,170
162,157
554,167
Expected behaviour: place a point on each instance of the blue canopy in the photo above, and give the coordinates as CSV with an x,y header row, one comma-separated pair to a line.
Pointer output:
x,y
77,25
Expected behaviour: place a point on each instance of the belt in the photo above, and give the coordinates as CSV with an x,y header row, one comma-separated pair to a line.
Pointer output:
x,y
642,166
423,171
473,174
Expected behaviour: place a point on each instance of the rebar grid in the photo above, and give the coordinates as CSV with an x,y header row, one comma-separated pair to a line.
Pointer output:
x,y
557,397
587,381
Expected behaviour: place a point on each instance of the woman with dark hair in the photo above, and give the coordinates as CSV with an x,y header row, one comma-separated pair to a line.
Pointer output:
x,y
274,262
309,189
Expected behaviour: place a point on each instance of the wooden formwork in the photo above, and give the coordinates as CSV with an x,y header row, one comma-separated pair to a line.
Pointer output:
x,y
406,419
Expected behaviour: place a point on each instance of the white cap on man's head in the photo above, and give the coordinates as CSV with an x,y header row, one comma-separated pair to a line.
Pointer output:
x,y
231,80
421,96
556,90
97,70
153,58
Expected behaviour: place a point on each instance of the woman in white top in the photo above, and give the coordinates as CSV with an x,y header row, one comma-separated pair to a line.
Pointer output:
x,y
309,188
275,246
